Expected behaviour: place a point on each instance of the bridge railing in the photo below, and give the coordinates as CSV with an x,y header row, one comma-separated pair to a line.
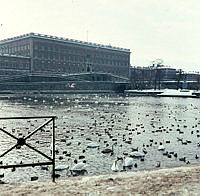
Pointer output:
x,y
21,141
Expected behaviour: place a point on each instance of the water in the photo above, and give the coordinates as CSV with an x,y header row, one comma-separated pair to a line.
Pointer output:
x,y
129,122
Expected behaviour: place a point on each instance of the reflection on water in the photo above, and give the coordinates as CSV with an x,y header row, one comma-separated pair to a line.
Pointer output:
x,y
131,123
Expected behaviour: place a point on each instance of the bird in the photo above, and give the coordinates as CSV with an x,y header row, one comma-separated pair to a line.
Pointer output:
x,y
134,149
144,150
158,164
108,150
128,162
92,145
115,167
136,154
182,159
180,139
42,168
161,147
175,155
78,168
135,165
13,169
61,167
188,162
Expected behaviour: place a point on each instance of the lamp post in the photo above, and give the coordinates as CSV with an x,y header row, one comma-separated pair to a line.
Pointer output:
x,y
0,33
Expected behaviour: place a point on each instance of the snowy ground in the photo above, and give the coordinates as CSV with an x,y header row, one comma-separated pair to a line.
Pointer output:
x,y
166,181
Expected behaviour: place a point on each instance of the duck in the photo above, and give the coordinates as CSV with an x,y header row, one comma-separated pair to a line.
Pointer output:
x,y
135,165
175,155
182,159
158,164
41,167
144,150
134,149
33,178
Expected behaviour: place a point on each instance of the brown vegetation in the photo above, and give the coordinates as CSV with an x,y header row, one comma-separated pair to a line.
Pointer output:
x,y
166,181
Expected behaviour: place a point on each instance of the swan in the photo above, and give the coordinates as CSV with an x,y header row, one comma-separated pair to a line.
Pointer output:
x,y
92,145
115,167
78,168
108,150
61,167
161,147
136,154
128,162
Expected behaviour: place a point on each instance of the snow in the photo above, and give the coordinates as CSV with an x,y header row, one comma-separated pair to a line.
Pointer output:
x,y
173,92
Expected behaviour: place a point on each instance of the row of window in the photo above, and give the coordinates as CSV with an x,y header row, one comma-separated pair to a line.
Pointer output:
x,y
81,59
62,49
76,68
9,65
4,60
13,48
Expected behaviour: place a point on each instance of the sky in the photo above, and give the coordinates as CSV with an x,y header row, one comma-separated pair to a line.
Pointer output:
x,y
151,29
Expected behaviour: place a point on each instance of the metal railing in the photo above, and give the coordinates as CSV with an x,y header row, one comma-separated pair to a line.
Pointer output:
x,y
21,141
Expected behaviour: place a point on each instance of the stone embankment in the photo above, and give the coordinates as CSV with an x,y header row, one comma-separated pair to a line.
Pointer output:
x,y
181,181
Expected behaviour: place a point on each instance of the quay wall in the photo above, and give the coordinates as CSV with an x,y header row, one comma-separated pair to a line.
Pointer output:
x,y
64,86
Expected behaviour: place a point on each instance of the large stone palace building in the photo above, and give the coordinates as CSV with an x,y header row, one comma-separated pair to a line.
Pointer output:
x,y
55,55
36,62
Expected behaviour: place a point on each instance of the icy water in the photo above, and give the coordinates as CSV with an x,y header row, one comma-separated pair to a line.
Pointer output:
x,y
142,123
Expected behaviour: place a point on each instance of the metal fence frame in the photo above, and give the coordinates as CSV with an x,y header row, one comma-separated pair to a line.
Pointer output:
x,y
22,141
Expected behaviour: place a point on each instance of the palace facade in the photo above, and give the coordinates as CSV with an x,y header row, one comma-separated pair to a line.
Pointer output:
x,y
43,54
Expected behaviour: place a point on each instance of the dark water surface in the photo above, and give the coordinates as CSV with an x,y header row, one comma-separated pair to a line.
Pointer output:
x,y
129,122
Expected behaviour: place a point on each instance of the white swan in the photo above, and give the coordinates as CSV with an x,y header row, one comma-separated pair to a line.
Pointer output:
x,y
161,147
115,167
61,167
92,145
128,162
78,168
136,154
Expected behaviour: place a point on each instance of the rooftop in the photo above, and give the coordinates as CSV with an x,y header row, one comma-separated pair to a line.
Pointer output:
x,y
73,41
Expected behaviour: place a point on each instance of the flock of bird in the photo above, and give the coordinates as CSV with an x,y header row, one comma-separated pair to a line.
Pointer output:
x,y
103,134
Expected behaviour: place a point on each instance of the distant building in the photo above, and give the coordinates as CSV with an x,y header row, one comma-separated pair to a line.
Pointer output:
x,y
151,77
162,77
168,73
192,76
54,55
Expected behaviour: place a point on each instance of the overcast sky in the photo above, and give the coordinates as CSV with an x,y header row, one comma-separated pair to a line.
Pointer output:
x,y
151,29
